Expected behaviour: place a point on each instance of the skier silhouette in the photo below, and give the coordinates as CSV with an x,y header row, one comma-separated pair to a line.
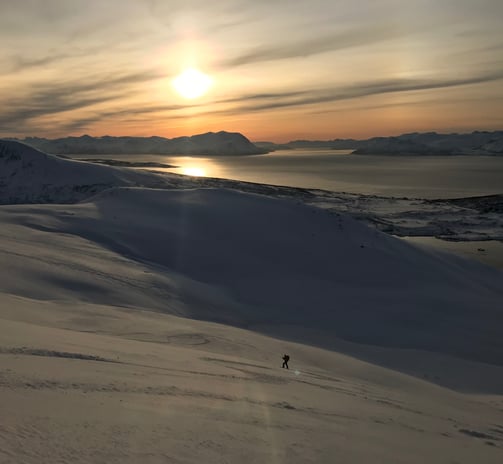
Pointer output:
x,y
285,358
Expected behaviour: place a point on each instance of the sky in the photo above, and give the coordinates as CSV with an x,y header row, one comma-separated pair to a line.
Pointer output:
x,y
280,69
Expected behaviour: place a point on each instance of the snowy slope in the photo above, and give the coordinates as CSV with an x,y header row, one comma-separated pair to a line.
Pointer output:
x,y
84,384
30,176
254,261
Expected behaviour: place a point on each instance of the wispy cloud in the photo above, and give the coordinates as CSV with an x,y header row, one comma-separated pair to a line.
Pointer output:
x,y
142,113
51,100
58,97
270,101
294,49
18,63
264,102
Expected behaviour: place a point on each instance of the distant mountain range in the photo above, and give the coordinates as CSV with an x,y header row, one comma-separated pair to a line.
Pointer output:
x,y
233,143
427,143
209,144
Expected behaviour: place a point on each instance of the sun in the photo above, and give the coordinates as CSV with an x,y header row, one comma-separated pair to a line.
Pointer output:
x,y
192,83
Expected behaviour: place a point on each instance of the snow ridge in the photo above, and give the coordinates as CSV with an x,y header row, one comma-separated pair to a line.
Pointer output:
x,y
28,175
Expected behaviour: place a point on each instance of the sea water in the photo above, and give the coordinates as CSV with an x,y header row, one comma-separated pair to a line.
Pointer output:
x,y
338,170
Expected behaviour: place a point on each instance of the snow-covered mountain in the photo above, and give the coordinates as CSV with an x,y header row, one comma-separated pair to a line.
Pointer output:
x,y
431,143
210,144
428,143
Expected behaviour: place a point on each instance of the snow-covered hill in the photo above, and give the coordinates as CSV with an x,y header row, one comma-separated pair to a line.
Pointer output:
x,y
28,175
208,144
254,261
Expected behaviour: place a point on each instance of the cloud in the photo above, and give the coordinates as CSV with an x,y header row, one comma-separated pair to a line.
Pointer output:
x,y
365,89
17,63
270,101
338,41
81,96
264,96
121,114
58,97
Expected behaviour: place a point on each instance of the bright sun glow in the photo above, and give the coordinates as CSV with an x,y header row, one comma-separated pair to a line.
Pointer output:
x,y
193,171
192,83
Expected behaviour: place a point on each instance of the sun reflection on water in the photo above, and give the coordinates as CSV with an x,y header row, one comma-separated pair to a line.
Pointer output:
x,y
196,167
193,171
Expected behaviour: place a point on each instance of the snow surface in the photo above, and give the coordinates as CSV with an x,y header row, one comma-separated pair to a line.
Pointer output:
x,y
148,324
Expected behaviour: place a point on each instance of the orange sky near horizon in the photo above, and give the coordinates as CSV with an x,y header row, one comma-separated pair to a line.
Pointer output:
x,y
279,71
